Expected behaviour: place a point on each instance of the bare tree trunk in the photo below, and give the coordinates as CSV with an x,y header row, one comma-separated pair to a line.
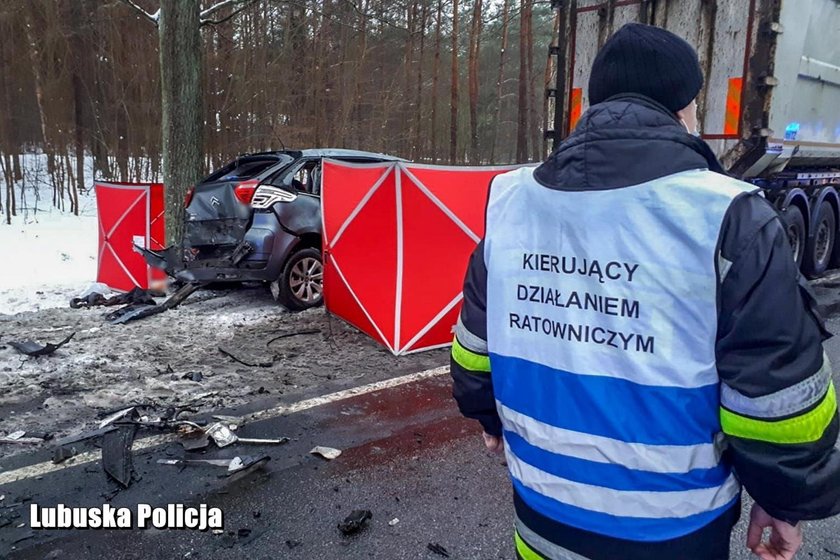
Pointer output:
x,y
453,107
181,102
522,112
418,97
475,48
10,195
436,81
501,77
35,60
77,48
533,116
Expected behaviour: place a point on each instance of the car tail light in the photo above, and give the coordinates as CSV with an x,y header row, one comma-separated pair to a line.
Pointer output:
x,y
245,190
188,197
267,195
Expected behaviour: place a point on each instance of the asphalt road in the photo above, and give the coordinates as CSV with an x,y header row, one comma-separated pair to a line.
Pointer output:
x,y
407,455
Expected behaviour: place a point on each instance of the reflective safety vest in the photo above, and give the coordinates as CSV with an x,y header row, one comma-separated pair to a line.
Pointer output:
x,y
602,322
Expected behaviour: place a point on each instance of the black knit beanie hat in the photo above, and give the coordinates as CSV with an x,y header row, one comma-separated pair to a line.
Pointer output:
x,y
646,60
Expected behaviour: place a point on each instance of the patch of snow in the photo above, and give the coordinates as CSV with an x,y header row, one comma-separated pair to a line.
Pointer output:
x,y
48,255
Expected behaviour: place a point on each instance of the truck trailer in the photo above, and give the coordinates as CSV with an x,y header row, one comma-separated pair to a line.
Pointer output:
x,y
770,103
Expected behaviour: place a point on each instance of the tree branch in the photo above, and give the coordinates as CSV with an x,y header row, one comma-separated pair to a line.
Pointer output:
x,y
205,14
151,17
245,4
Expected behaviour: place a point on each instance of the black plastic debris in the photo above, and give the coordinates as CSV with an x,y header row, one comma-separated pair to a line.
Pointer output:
x,y
62,453
139,310
438,549
293,544
137,295
193,376
355,522
133,311
84,436
117,460
31,348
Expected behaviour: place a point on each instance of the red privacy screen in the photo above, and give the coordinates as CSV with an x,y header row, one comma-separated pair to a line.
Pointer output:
x,y
397,238
129,214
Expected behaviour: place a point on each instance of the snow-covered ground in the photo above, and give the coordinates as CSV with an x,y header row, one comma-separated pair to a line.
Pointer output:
x,y
47,256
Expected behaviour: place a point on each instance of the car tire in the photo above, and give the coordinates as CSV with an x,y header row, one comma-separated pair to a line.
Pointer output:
x,y
794,223
820,244
302,281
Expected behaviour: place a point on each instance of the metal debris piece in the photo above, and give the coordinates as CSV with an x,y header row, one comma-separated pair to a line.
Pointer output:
x,y
196,443
393,522
17,437
117,459
84,435
438,549
355,522
233,422
328,453
116,416
234,465
223,436
31,348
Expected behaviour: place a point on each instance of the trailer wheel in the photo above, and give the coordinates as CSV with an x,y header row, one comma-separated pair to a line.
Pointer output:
x,y
795,225
821,244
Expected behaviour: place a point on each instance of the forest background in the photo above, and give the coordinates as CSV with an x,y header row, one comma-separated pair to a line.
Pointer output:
x,y
437,81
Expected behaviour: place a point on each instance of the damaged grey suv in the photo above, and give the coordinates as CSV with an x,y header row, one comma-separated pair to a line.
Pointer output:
x,y
258,218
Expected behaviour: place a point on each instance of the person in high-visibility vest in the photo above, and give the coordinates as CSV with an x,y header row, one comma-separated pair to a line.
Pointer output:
x,y
637,339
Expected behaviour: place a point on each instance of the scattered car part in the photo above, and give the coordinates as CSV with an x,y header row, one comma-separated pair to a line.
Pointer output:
x,y
223,436
243,362
328,453
117,460
234,465
233,422
34,349
438,549
84,435
17,437
289,335
355,522
110,419
62,453
141,310
199,443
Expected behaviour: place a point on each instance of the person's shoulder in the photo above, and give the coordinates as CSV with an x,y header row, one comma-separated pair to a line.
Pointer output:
x,y
749,215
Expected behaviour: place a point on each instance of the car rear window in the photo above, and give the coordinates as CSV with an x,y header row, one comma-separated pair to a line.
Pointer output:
x,y
245,168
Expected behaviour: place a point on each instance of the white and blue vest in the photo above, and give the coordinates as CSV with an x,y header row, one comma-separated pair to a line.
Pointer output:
x,y
602,323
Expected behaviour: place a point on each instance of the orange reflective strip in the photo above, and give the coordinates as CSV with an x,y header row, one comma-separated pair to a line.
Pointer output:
x,y
575,107
733,106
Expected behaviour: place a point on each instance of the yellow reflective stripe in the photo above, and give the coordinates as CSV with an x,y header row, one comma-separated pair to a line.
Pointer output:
x,y
525,551
469,360
806,428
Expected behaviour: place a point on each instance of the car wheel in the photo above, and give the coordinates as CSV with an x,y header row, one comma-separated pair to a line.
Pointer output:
x,y
821,244
302,283
795,226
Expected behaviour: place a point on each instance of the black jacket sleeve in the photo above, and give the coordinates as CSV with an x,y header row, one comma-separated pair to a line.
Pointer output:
x,y
470,364
778,404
